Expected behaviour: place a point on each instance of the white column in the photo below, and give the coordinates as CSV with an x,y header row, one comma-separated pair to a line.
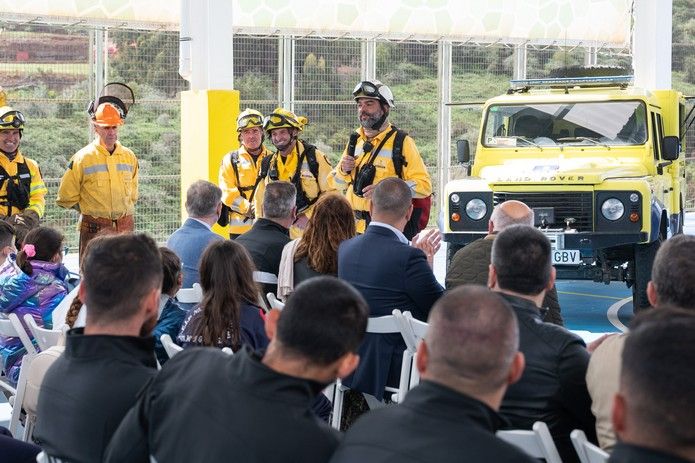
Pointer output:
x,y
519,71
286,52
444,118
651,44
369,60
590,56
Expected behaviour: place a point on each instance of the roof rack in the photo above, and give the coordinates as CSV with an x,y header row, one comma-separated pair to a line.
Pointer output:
x,y
596,81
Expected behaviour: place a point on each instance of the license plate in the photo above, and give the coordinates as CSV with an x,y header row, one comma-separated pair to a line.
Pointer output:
x,y
566,257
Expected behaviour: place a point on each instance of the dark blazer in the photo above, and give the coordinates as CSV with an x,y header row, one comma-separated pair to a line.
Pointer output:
x,y
189,242
433,424
390,275
265,242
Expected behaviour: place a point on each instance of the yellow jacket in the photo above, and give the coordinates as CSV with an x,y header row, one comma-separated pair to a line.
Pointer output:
x,y
414,171
104,185
232,196
286,169
37,189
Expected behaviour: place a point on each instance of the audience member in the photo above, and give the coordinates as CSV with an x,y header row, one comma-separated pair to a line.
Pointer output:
x,y
89,389
316,252
552,388
16,451
8,267
36,290
470,264
208,406
468,358
390,274
171,314
203,205
673,274
653,409
271,233
227,316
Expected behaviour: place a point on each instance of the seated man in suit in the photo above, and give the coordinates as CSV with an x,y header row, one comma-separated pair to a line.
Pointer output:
x,y
390,274
88,390
207,406
203,205
653,409
269,234
466,361
552,388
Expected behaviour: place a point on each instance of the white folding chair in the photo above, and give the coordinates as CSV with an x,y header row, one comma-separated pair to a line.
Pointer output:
x,y
388,324
264,278
275,303
413,331
537,443
227,351
588,452
190,295
170,346
44,337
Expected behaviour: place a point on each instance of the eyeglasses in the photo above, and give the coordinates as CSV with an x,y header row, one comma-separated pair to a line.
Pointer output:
x,y
250,120
13,119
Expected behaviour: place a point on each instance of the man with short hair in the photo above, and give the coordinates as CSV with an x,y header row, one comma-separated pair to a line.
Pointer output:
x,y
8,267
552,388
208,406
653,408
101,181
88,390
379,150
673,274
204,205
470,265
466,361
270,233
390,274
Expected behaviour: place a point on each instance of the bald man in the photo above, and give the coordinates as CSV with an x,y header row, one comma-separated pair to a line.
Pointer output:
x,y
470,264
466,361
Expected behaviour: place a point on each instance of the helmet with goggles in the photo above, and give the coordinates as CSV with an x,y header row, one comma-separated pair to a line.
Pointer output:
x,y
249,118
282,118
11,119
374,90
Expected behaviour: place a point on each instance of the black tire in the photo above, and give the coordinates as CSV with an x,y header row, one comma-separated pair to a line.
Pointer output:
x,y
644,259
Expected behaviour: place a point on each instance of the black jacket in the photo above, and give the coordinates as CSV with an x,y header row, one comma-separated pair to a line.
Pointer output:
x,y
553,386
433,424
627,453
88,390
265,242
207,406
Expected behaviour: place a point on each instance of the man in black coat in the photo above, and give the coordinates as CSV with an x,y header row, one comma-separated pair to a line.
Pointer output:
x,y
466,361
553,386
207,406
653,410
89,389
271,233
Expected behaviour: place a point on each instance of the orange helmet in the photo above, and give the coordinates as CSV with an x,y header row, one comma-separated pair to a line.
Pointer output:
x,y
108,115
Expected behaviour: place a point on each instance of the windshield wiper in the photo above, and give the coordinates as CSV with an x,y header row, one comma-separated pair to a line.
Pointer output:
x,y
589,139
527,140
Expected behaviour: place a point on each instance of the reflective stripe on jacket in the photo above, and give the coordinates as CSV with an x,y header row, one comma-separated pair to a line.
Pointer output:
x,y
104,184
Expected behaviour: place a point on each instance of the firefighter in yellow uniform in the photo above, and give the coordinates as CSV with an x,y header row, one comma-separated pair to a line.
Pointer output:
x,y
295,161
378,150
22,191
101,181
238,177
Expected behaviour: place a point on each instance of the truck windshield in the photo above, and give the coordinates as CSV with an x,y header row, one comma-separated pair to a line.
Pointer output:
x,y
612,123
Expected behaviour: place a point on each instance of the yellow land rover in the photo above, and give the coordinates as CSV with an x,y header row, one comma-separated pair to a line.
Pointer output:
x,y
600,162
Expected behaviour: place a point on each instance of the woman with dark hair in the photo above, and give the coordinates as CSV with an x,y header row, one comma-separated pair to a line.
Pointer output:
x,y
36,290
316,252
227,315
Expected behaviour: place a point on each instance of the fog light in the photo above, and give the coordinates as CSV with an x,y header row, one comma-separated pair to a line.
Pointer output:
x,y
634,217
455,217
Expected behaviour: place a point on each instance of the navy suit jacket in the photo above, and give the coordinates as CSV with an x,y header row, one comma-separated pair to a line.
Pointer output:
x,y
390,275
189,242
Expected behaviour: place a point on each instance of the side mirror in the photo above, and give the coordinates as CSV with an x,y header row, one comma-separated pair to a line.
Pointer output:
x,y
463,151
670,148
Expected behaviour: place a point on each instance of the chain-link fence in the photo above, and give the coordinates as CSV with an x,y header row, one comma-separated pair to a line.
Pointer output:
x,y
52,72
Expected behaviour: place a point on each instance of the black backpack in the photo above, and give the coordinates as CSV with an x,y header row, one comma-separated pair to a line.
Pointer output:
x,y
18,188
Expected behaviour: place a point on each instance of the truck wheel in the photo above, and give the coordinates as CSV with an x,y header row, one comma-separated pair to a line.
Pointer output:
x,y
644,258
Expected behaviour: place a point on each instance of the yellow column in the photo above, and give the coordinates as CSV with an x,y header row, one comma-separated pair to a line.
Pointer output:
x,y
208,132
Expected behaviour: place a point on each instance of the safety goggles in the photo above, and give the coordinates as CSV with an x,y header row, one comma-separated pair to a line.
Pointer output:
x,y
366,89
14,119
250,120
278,120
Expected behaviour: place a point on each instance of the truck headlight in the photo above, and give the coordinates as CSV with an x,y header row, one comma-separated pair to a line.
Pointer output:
x,y
476,209
612,209
455,198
